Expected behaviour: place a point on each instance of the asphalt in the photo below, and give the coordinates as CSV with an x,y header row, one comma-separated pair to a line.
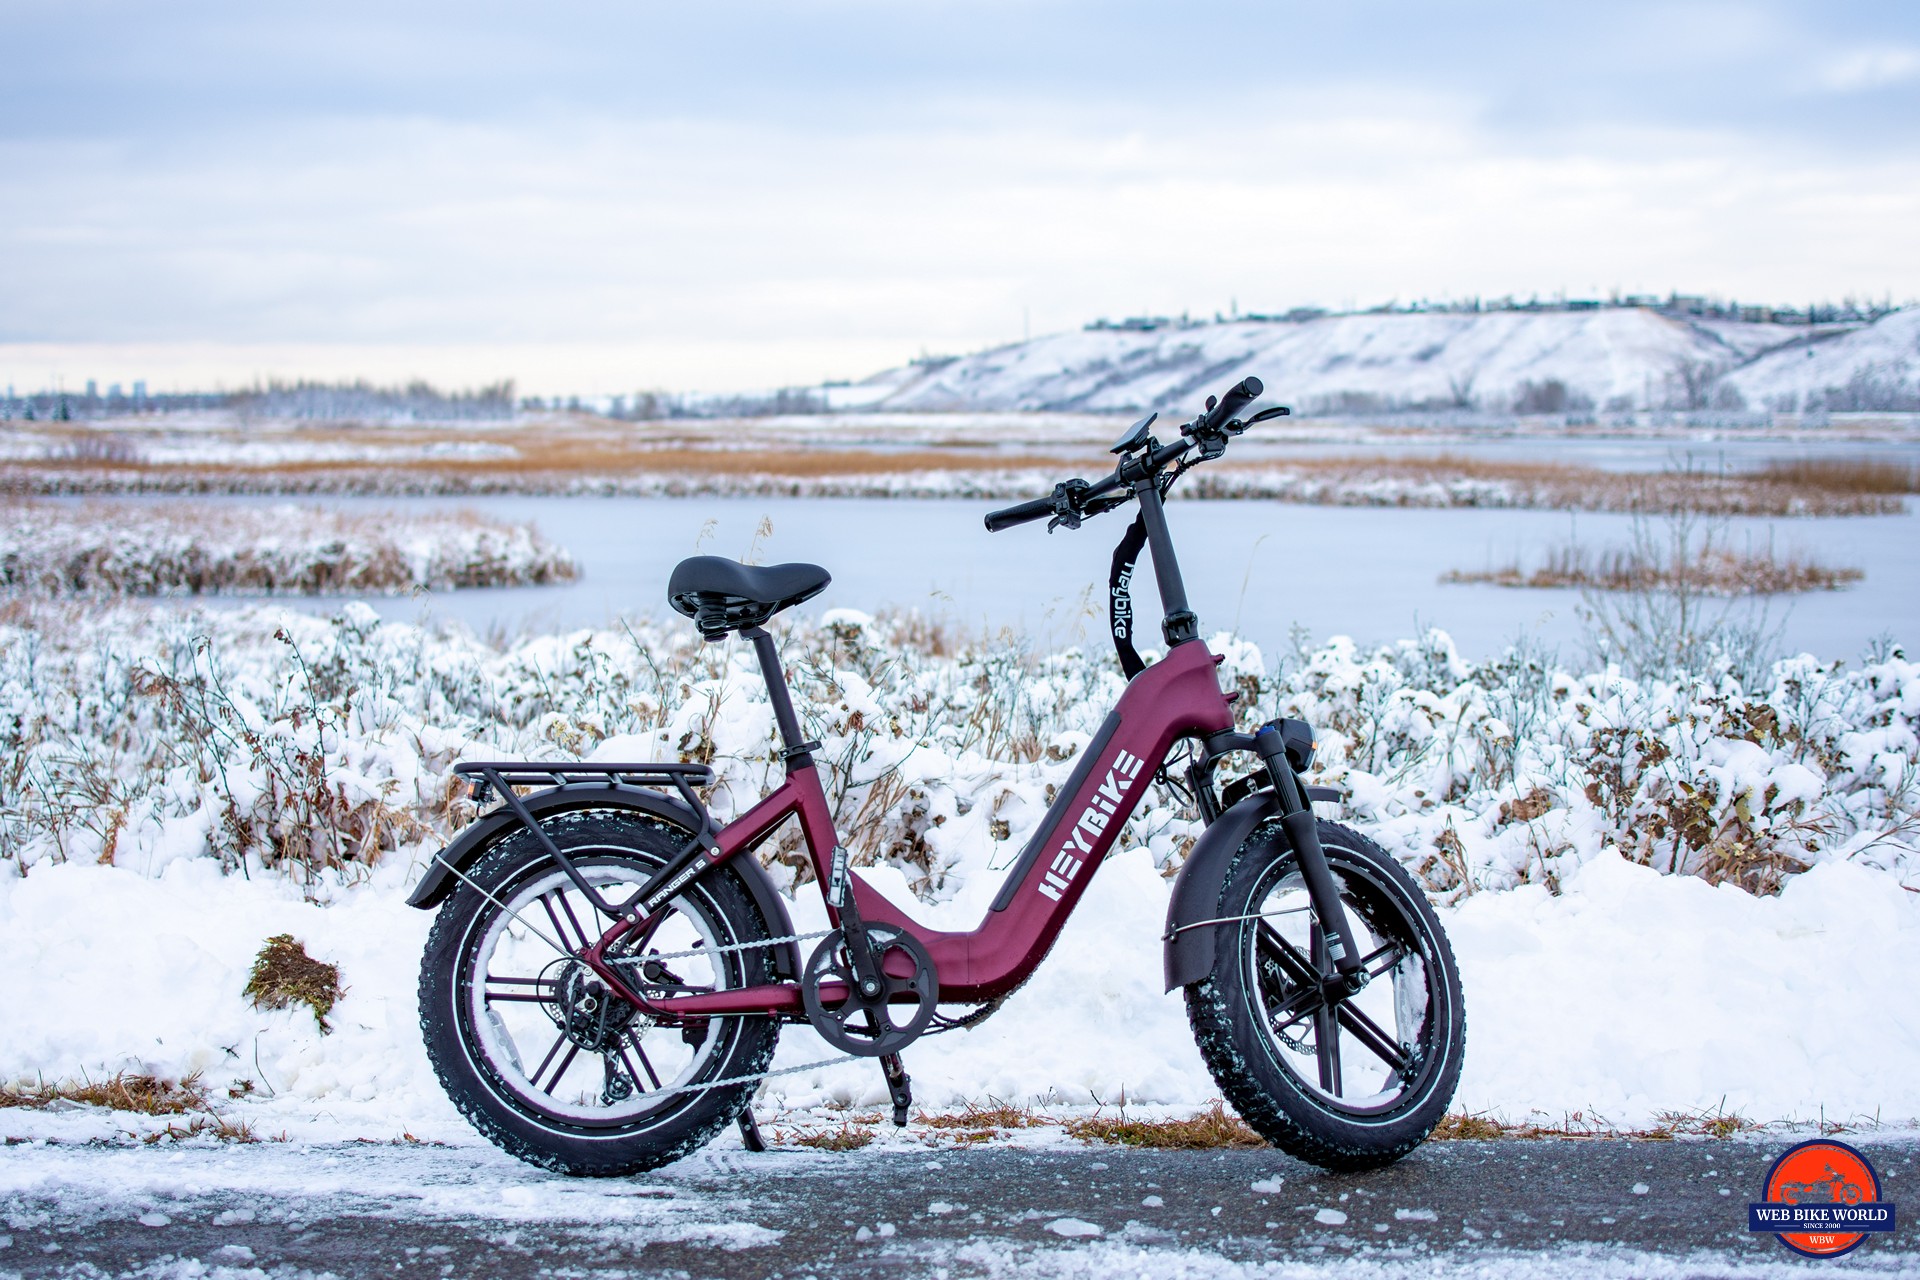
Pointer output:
x,y
1508,1207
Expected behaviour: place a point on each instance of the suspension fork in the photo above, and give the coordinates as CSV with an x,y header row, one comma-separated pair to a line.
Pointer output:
x,y
1303,833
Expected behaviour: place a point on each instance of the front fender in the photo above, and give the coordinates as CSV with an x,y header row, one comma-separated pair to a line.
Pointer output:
x,y
1196,891
496,825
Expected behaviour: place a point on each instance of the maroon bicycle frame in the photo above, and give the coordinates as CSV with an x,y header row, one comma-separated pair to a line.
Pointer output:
x,y
1177,697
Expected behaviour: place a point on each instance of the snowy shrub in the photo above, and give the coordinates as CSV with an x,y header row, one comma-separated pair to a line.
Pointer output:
x,y
107,549
267,738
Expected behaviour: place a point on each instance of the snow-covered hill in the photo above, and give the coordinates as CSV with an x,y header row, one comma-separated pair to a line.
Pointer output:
x,y
1569,361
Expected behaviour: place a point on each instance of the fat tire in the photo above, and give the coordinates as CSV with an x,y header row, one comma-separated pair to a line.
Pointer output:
x,y
1268,1096
682,1126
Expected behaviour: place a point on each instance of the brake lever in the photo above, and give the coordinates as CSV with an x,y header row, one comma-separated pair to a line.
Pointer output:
x,y
1066,504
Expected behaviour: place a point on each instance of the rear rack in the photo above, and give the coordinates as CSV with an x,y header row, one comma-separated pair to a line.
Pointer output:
x,y
500,777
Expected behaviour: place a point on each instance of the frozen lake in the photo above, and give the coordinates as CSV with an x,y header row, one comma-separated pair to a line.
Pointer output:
x,y
1256,567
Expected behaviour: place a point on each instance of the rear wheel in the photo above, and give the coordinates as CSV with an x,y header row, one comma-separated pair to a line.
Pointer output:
x,y
534,1050
1346,1084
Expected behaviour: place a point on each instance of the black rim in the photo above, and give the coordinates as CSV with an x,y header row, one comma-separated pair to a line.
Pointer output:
x,y
1369,1056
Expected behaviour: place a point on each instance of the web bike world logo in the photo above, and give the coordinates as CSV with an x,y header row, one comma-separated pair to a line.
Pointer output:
x,y
1093,820
1822,1200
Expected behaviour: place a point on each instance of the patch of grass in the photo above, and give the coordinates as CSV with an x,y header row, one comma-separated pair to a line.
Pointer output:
x,y
216,1127
124,1091
1464,1126
977,1123
285,975
1718,572
1841,475
1458,480
1214,1127
849,1136
1715,1123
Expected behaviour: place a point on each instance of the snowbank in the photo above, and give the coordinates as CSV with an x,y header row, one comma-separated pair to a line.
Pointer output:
x,y
1663,896
1630,994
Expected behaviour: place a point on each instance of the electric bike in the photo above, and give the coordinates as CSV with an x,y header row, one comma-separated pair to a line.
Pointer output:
x,y
609,970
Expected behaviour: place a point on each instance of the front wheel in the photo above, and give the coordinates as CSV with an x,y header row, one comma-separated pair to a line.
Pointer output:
x,y
1347,1084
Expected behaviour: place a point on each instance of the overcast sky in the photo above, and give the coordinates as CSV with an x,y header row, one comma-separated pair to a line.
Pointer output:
x,y
723,195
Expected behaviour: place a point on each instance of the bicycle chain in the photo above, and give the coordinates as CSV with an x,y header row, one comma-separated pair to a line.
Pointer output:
x,y
720,950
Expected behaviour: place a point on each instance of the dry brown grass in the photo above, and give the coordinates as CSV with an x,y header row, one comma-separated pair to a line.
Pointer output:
x,y
575,450
1720,572
847,1136
560,455
978,1123
1459,480
1578,1125
1842,475
217,1127
123,1091
1214,1127
285,975
140,1095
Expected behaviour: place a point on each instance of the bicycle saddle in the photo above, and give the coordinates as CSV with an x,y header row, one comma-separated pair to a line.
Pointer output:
x,y
722,595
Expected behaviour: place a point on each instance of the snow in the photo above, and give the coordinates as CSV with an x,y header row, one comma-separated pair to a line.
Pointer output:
x,y
1883,357
1623,359
468,1183
1563,822
137,548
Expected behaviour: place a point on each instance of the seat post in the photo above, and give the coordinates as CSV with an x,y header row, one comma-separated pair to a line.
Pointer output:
x,y
796,752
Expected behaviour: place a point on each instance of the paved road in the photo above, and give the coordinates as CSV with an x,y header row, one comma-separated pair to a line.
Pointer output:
x,y
1454,1209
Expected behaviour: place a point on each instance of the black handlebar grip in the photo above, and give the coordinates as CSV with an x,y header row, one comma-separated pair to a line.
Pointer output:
x,y
1021,513
1237,397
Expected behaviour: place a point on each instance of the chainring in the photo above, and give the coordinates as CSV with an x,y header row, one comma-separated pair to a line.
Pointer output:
x,y
871,1028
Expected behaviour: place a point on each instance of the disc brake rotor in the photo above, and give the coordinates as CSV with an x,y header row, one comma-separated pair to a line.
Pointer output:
x,y
890,1021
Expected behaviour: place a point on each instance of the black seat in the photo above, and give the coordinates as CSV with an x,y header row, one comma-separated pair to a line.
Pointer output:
x,y
722,595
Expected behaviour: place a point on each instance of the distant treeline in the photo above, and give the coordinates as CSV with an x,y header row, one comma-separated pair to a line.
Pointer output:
x,y
415,401
329,401
1698,306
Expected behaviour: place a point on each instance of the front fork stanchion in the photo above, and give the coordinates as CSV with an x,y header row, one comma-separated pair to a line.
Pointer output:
x,y
1303,833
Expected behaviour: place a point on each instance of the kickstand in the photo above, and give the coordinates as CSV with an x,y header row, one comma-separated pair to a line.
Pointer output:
x,y
900,1086
750,1130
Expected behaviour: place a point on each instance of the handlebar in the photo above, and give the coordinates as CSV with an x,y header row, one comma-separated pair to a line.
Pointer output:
x,y
1236,398
1019,513
1073,499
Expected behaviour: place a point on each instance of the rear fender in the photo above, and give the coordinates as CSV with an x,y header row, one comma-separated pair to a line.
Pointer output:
x,y
1196,891
491,828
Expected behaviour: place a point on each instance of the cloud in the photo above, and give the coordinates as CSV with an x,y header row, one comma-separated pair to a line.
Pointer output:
x,y
713,186
1863,69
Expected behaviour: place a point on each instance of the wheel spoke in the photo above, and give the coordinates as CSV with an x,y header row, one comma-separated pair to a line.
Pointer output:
x,y
1326,1049
652,1075
541,1070
1303,1001
546,900
1388,956
573,1051
1376,1041
578,932
627,1041
1299,968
